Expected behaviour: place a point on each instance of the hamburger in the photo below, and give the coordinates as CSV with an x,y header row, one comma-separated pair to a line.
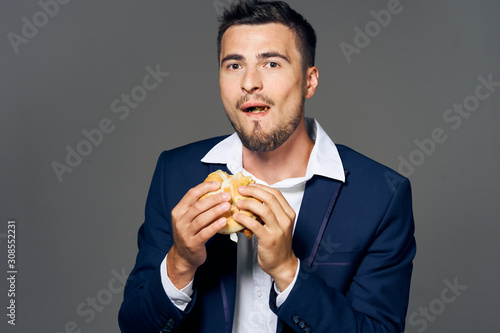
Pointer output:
x,y
230,184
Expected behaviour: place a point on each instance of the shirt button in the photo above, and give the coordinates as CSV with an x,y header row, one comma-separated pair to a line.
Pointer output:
x,y
259,293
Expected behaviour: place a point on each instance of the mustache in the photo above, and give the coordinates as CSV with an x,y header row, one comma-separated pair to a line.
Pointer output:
x,y
255,97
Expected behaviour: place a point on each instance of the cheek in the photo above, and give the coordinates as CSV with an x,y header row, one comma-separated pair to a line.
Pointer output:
x,y
226,92
228,83
290,97
287,86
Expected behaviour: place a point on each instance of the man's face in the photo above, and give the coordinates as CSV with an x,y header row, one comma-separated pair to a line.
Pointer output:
x,y
262,83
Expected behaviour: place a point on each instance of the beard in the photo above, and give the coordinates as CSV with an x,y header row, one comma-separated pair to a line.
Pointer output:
x,y
258,140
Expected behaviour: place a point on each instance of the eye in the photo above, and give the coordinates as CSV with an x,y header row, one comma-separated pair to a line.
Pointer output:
x,y
272,64
233,67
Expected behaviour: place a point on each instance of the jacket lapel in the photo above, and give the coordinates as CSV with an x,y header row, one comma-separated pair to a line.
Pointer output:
x,y
317,205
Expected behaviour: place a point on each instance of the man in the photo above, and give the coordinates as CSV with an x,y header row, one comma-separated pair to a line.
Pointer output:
x,y
333,248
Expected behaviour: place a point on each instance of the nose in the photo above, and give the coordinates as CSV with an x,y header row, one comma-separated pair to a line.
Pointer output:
x,y
251,81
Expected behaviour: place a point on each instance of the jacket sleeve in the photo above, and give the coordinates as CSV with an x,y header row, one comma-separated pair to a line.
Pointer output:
x,y
146,307
377,298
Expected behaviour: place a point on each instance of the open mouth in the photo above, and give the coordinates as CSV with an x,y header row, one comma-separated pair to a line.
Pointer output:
x,y
256,109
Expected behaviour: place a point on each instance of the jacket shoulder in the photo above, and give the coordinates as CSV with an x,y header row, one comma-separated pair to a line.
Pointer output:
x,y
368,171
183,163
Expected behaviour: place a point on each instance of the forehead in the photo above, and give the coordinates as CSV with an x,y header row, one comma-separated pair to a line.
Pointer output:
x,y
258,38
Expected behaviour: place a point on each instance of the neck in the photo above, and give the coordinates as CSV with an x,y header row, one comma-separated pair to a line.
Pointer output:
x,y
287,161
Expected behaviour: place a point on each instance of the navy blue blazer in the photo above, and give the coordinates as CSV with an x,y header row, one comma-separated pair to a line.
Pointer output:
x,y
354,239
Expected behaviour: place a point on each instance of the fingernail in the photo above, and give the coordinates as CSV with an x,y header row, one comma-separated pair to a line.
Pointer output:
x,y
242,188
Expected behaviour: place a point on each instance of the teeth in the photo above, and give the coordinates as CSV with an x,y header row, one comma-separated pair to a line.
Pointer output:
x,y
257,109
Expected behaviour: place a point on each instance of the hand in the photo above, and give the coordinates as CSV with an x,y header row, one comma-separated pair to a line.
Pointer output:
x,y
194,222
275,254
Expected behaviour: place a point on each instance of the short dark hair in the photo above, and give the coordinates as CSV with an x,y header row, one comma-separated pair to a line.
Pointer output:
x,y
262,12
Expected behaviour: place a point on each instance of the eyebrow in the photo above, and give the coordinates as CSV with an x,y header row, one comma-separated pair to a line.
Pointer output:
x,y
260,56
266,55
232,57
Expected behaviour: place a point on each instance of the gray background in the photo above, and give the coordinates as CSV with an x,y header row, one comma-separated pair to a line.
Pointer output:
x,y
72,235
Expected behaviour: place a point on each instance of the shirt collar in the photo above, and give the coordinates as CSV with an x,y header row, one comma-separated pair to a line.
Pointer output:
x,y
324,160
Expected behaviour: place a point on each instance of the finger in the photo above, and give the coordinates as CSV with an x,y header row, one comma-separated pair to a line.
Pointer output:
x,y
207,203
207,217
193,195
286,206
251,224
271,212
259,192
209,231
256,207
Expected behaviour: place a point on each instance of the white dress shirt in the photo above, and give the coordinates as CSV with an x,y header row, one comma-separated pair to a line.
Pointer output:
x,y
252,312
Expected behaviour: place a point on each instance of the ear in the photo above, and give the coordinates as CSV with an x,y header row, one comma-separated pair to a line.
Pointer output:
x,y
312,75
